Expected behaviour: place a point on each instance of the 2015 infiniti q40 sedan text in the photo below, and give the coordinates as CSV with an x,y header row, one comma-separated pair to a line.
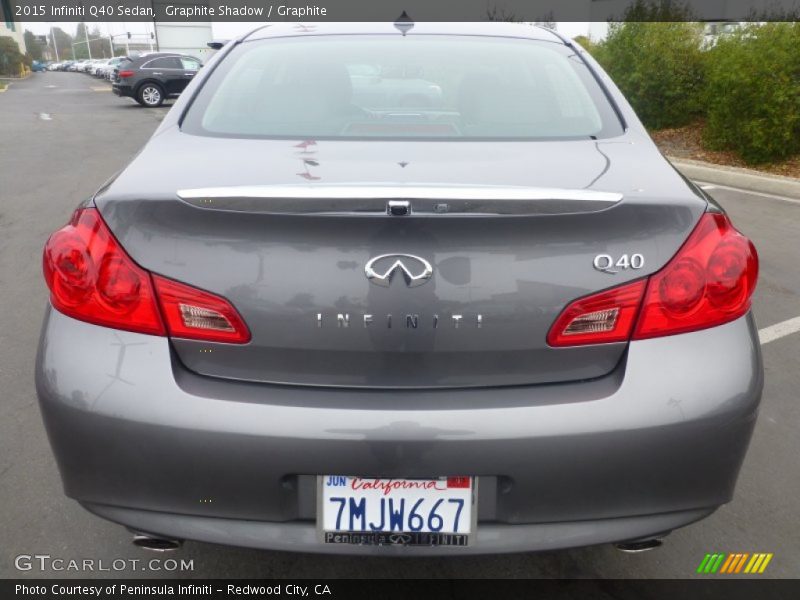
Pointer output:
x,y
430,291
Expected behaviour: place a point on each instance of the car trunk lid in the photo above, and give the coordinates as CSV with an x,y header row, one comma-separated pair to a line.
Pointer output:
x,y
335,288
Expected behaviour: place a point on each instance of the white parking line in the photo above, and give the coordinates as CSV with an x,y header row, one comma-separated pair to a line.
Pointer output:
x,y
708,186
45,117
779,330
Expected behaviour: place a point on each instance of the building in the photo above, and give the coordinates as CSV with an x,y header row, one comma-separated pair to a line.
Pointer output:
x,y
185,38
189,37
714,30
10,28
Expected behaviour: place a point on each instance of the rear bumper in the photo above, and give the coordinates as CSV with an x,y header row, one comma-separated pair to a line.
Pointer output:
x,y
655,445
491,537
122,90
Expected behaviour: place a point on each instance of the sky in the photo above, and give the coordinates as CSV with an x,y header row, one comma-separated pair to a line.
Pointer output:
x,y
228,29
117,28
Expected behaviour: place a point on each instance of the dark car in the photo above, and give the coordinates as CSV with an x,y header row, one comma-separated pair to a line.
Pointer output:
x,y
152,78
306,319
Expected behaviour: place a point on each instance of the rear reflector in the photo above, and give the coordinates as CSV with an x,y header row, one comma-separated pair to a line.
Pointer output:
x,y
125,74
708,282
91,278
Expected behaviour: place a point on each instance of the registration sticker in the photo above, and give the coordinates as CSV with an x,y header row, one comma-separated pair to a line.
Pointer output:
x,y
382,511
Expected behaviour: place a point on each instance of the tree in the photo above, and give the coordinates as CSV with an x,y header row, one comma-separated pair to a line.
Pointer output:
x,y
547,21
100,46
63,42
753,92
585,42
495,13
659,66
33,45
657,11
81,49
11,59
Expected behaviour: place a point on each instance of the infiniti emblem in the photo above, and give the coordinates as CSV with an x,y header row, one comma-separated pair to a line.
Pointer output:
x,y
380,270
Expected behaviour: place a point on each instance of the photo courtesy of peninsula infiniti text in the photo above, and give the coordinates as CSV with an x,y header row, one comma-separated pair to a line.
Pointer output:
x,y
400,289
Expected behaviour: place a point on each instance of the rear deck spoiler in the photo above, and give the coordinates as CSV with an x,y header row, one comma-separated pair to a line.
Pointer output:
x,y
373,199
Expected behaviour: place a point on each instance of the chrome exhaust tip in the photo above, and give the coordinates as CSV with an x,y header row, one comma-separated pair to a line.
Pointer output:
x,y
637,546
155,544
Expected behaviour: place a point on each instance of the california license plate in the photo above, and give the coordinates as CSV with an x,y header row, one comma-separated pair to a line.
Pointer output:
x,y
411,512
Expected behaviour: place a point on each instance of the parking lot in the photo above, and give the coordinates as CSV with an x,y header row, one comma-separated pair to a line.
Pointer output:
x,y
63,134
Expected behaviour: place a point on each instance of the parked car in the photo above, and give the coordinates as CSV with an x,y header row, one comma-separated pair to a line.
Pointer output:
x,y
152,78
38,66
503,323
97,64
104,71
54,66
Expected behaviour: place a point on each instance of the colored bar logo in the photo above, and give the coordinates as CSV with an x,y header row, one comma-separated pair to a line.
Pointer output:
x,y
733,563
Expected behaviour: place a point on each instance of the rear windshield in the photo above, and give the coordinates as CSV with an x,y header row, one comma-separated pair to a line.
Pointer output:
x,y
390,86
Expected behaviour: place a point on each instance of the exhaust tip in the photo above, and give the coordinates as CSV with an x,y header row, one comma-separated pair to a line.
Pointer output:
x,y
156,544
638,546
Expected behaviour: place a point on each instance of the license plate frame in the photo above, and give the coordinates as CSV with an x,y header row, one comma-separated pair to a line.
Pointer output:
x,y
397,538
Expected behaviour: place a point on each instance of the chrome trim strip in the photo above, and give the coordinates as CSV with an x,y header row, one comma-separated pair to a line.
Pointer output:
x,y
395,192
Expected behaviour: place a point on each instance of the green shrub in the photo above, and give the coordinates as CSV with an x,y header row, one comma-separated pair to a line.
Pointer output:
x,y
753,92
659,66
11,59
586,43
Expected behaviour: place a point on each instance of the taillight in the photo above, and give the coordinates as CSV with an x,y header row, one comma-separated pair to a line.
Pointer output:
x,y
198,315
125,74
601,318
708,282
92,278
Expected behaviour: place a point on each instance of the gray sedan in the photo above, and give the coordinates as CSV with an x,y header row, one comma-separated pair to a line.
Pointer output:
x,y
309,318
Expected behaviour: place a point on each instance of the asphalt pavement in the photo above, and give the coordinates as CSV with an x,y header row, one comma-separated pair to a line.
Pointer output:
x,y
63,134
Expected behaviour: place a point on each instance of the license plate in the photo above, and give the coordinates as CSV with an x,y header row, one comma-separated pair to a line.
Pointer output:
x,y
411,512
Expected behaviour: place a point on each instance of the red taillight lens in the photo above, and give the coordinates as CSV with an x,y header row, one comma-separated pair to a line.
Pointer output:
x,y
709,282
601,318
198,315
91,278
125,74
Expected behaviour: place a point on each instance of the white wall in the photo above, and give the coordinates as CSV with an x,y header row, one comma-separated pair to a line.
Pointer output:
x,y
15,31
186,38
